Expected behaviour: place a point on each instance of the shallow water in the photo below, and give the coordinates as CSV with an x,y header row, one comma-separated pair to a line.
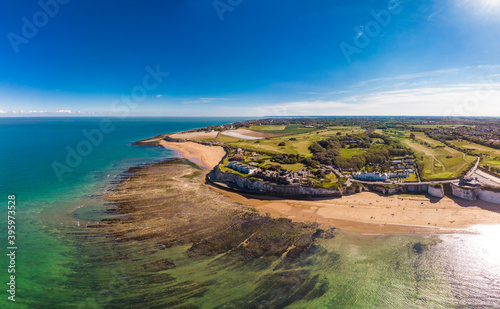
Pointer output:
x,y
62,264
46,258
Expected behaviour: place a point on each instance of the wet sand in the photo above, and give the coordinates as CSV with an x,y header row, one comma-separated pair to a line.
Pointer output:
x,y
365,212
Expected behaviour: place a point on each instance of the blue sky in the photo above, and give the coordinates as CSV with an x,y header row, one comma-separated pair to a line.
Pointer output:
x,y
250,57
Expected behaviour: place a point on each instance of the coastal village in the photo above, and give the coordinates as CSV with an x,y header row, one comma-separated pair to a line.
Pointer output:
x,y
402,170
345,156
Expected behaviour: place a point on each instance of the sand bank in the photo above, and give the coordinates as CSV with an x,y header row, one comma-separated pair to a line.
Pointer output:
x,y
364,212
195,135
206,157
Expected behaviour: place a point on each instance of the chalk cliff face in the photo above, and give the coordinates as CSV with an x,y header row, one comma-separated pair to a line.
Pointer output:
x,y
466,194
474,194
256,186
489,196
436,191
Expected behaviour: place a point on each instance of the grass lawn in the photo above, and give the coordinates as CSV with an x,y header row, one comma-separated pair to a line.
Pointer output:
x,y
478,149
299,146
491,156
282,130
264,128
333,181
227,139
271,146
292,167
495,163
351,152
440,162
412,178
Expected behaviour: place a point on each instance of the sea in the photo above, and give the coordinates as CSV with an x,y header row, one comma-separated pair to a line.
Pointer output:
x,y
52,167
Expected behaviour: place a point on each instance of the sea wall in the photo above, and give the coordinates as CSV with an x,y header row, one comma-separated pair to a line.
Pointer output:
x,y
472,194
244,184
388,190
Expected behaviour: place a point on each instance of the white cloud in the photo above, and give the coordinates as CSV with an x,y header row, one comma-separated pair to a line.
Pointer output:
x,y
2,111
475,99
306,108
64,111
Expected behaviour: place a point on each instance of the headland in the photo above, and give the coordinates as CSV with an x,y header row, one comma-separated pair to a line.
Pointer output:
x,y
362,210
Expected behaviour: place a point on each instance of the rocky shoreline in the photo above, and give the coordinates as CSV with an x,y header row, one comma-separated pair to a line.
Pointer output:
x,y
165,206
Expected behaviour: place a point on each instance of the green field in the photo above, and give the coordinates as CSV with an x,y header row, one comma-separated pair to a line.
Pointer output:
x,y
351,152
478,149
299,146
281,130
227,139
271,146
440,162
490,156
434,126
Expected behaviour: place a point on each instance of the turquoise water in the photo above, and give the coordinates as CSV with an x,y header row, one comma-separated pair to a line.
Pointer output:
x,y
358,271
31,147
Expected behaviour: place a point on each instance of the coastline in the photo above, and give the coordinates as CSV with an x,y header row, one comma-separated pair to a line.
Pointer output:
x,y
365,212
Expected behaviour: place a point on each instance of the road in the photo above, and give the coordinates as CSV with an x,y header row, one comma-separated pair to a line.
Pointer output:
x,y
474,169
486,178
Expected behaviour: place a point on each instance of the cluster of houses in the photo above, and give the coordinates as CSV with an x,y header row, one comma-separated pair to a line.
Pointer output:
x,y
286,177
403,164
283,177
242,168
377,176
327,169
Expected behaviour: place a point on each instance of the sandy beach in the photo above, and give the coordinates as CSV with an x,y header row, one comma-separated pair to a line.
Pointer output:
x,y
194,135
365,212
207,157
372,213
